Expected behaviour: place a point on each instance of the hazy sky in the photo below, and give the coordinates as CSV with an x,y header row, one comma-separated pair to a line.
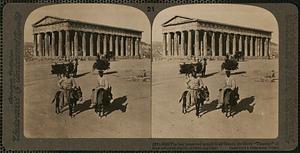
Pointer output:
x,y
242,15
114,15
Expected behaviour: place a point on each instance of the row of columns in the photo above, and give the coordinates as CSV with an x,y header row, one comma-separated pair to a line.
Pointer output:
x,y
208,43
76,43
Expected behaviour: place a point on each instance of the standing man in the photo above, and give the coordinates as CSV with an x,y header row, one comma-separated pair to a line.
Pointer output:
x,y
230,83
193,84
204,63
66,83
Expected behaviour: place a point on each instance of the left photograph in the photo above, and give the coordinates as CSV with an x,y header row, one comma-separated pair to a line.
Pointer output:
x,y
87,72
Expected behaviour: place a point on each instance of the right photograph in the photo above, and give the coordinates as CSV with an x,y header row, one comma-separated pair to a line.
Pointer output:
x,y
215,72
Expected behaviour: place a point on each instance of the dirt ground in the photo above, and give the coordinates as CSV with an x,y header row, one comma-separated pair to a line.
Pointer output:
x,y
130,115
256,113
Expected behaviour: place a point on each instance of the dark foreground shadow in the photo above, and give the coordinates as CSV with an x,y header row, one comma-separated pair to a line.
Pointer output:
x,y
209,107
79,108
246,104
209,74
117,104
111,72
206,108
82,74
236,73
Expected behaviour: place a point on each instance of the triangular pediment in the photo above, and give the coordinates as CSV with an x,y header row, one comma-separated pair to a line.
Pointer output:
x,y
47,21
177,20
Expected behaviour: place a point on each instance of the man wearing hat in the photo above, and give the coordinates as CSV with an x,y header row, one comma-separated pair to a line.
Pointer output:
x,y
193,84
66,83
229,83
102,83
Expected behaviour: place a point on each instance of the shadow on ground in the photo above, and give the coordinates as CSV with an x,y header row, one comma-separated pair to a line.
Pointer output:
x,y
81,75
110,72
236,73
209,74
246,104
117,104
208,107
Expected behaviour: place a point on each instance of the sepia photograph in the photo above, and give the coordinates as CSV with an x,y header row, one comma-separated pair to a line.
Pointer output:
x,y
215,72
87,72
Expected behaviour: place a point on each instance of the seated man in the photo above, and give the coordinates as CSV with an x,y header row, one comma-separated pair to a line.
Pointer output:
x,y
102,83
193,84
229,84
66,83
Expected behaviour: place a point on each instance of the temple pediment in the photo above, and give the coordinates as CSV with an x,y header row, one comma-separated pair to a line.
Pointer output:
x,y
48,20
177,20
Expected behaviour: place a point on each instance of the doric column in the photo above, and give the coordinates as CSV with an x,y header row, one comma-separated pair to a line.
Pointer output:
x,y
251,46
221,45
227,43
75,43
98,43
260,47
164,44
256,46
110,43
205,43
265,47
91,44
128,52
60,42
138,46
132,47
181,53
269,47
189,53
40,44
53,49
83,44
126,46
116,46
197,51
213,51
172,45
246,46
67,43
122,46
240,43
46,44
169,44
35,45
175,44
234,43
104,44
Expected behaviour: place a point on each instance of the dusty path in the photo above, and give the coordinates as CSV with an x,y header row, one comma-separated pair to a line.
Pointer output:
x,y
134,121
257,112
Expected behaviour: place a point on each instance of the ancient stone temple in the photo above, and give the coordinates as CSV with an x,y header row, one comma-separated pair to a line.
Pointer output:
x,y
57,37
189,37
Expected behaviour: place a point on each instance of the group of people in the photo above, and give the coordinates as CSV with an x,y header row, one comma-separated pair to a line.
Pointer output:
x,y
67,83
194,83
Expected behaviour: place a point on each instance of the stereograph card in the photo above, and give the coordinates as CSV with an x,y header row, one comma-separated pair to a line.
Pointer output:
x,y
149,76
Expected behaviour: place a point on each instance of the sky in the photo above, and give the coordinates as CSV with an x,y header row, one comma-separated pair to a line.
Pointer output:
x,y
107,14
242,15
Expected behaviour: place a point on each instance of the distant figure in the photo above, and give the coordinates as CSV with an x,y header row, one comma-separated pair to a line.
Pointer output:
x,y
204,63
229,83
75,63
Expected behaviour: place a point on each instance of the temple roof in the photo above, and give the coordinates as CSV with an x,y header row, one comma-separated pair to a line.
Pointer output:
x,y
48,20
176,20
